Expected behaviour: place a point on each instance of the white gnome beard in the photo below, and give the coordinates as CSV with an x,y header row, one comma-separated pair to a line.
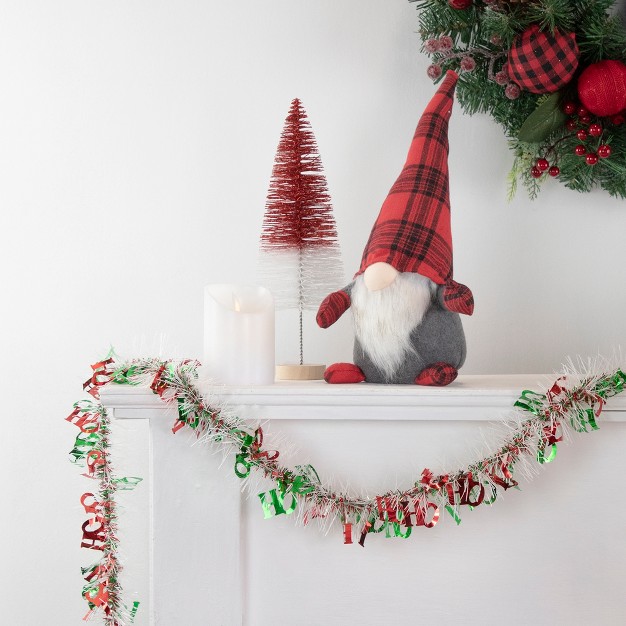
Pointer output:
x,y
384,319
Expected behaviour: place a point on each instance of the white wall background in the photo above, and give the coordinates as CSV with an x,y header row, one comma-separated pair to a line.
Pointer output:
x,y
136,144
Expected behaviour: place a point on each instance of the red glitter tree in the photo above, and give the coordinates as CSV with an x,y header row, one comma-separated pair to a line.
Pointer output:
x,y
300,260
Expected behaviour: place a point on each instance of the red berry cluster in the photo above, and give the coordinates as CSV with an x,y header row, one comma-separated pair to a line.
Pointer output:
x,y
589,133
543,165
511,90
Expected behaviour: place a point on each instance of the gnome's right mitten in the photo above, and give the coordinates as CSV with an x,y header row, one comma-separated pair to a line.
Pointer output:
x,y
332,308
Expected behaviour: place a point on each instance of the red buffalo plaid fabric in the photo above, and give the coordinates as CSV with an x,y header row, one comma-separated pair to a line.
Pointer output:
x,y
332,308
412,232
437,375
542,62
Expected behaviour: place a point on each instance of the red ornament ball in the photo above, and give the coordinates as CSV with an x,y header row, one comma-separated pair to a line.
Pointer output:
x,y
569,108
542,61
591,158
604,151
571,125
582,135
580,150
585,119
535,172
595,130
459,5
582,112
543,164
554,171
602,87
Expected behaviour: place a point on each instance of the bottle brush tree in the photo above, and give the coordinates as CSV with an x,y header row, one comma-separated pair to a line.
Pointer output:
x,y
300,260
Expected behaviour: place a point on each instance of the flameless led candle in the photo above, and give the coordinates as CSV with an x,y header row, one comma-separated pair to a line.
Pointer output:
x,y
239,334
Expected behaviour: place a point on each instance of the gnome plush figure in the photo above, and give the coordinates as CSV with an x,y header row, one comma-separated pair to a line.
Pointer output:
x,y
404,301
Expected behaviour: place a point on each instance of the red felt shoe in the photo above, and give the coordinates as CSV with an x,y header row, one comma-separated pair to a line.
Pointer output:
x,y
437,375
342,373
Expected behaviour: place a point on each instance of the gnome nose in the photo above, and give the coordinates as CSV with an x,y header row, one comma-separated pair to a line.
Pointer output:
x,y
379,275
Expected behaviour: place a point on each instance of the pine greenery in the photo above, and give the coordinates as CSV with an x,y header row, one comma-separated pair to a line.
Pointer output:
x,y
484,32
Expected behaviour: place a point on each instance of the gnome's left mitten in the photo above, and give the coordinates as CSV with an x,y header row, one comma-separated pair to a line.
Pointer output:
x,y
456,298
332,308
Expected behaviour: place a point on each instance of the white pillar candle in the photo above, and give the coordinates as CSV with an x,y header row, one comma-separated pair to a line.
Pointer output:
x,y
239,334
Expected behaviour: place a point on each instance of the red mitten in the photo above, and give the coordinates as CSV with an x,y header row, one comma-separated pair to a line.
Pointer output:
x,y
332,308
458,298
342,373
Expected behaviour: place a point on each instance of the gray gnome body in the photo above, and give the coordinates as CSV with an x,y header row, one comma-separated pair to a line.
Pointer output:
x,y
438,338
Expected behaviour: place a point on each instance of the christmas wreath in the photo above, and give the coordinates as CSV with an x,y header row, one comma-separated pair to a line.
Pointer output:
x,y
552,73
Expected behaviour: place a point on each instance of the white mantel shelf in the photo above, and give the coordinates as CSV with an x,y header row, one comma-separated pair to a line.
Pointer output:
x,y
468,398
196,551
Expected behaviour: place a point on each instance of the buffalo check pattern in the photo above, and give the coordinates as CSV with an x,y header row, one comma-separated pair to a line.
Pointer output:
x,y
412,232
332,308
541,61
437,375
458,298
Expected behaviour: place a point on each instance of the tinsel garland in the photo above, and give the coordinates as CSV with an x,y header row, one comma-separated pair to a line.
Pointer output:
x,y
537,425
102,590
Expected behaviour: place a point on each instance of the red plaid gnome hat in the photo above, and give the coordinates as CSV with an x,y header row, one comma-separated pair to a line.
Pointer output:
x,y
412,232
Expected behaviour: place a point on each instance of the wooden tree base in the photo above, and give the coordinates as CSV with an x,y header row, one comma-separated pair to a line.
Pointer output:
x,y
300,372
